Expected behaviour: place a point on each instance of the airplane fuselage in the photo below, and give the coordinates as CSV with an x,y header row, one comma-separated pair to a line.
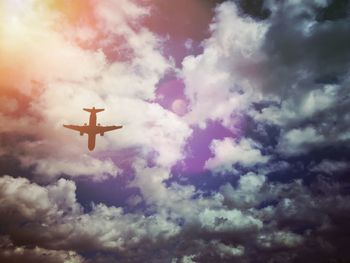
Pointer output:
x,y
92,119
92,134
91,141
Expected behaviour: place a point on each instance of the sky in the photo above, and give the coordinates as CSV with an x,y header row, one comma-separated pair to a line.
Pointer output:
x,y
235,144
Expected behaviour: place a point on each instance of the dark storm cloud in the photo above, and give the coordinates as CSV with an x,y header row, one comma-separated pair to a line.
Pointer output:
x,y
337,9
299,224
303,50
255,8
307,70
10,253
301,69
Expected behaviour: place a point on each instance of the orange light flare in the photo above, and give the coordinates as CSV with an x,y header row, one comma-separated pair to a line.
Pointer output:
x,y
15,32
27,20
28,27
18,29
75,11
74,14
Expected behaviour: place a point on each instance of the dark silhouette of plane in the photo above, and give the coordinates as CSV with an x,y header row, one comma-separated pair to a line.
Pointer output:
x,y
92,129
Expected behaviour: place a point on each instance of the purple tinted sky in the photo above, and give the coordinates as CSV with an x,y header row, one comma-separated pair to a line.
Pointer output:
x,y
185,20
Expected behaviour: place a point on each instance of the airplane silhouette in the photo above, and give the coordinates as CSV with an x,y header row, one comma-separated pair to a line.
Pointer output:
x,y
92,129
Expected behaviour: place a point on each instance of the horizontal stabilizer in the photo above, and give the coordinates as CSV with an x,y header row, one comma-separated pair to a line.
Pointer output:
x,y
93,110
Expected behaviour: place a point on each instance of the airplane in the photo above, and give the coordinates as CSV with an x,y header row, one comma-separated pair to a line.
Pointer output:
x,y
92,129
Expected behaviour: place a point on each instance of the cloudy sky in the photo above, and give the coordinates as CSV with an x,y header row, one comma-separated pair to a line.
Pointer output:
x,y
236,137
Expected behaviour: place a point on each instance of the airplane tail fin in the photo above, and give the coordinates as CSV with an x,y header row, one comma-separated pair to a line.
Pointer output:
x,y
93,110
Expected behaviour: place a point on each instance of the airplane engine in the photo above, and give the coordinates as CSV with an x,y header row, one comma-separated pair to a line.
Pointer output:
x,y
102,133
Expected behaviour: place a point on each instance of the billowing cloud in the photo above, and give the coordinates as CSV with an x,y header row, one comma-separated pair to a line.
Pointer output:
x,y
246,193
216,78
228,221
260,104
11,253
228,152
297,141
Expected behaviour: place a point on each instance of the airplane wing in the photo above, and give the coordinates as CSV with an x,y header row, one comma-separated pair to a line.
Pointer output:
x,y
103,129
76,128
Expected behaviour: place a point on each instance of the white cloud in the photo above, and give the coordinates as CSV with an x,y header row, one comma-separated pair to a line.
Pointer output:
x,y
114,230
228,251
58,212
85,165
153,128
228,152
299,140
228,221
214,80
247,193
301,107
187,259
175,200
28,201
